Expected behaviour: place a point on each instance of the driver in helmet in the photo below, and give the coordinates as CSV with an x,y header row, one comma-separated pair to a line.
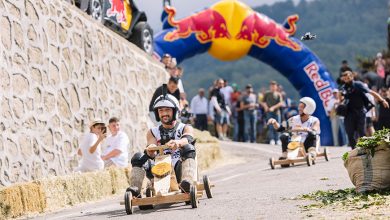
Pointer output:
x,y
303,124
176,135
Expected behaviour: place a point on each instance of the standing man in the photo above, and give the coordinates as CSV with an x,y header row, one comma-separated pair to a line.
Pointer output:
x,y
116,153
172,88
222,111
199,108
227,91
272,102
248,104
357,105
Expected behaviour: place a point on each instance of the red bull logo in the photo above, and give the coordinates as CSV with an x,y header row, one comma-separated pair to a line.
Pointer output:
x,y
207,25
118,10
260,30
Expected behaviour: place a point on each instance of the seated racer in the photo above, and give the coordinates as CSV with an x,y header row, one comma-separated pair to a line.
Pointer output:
x,y
176,135
304,124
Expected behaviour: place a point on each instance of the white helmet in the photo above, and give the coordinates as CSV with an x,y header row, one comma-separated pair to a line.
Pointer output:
x,y
168,101
310,105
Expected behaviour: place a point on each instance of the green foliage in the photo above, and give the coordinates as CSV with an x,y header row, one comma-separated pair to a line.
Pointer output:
x,y
346,198
345,156
348,29
370,143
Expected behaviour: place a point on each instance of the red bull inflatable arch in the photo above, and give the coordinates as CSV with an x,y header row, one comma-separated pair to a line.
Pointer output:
x,y
229,30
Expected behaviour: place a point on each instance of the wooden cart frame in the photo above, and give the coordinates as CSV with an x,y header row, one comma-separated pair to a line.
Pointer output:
x,y
160,193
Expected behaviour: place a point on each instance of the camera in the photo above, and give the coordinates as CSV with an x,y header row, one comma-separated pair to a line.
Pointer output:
x,y
185,116
104,129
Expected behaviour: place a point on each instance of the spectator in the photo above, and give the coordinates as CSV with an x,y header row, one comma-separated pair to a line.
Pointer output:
x,y
90,147
344,67
116,146
234,97
221,110
372,78
249,105
380,65
384,113
172,89
199,109
166,59
357,105
238,117
334,118
227,92
179,74
272,102
370,117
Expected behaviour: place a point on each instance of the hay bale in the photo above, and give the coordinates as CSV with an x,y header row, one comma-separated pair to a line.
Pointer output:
x,y
207,153
33,197
75,188
204,137
119,180
11,204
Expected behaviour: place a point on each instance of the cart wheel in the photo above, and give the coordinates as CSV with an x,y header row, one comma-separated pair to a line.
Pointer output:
x,y
207,188
128,207
272,163
149,193
308,160
193,197
326,154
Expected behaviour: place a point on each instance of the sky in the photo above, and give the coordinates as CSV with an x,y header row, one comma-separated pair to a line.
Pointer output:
x,y
153,8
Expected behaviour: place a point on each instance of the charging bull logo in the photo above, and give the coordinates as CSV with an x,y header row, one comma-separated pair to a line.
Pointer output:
x,y
207,25
118,10
260,30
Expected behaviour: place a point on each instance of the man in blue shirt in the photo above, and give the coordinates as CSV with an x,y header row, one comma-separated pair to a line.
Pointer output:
x,y
357,105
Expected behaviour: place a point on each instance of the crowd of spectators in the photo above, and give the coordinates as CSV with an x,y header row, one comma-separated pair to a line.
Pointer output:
x,y
360,106
240,115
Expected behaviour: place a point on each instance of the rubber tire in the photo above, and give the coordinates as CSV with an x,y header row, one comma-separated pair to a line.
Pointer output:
x,y
271,163
308,160
149,193
138,37
129,208
207,188
193,197
326,154
90,11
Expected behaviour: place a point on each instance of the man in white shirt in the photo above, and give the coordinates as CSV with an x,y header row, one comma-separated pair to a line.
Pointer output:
x,y
116,152
304,125
90,150
199,108
227,91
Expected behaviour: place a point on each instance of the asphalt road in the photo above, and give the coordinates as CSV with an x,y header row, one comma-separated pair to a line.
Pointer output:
x,y
246,188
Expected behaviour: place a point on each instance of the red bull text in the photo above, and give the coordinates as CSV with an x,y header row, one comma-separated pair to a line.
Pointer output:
x,y
323,87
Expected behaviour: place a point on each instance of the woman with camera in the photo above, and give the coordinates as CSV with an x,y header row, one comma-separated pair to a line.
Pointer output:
x,y
90,147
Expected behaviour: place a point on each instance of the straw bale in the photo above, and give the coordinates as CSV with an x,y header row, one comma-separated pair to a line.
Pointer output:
x,y
33,197
72,189
11,204
204,137
119,180
207,154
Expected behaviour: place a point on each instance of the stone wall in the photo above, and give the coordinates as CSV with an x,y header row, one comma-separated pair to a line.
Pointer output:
x,y
58,70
